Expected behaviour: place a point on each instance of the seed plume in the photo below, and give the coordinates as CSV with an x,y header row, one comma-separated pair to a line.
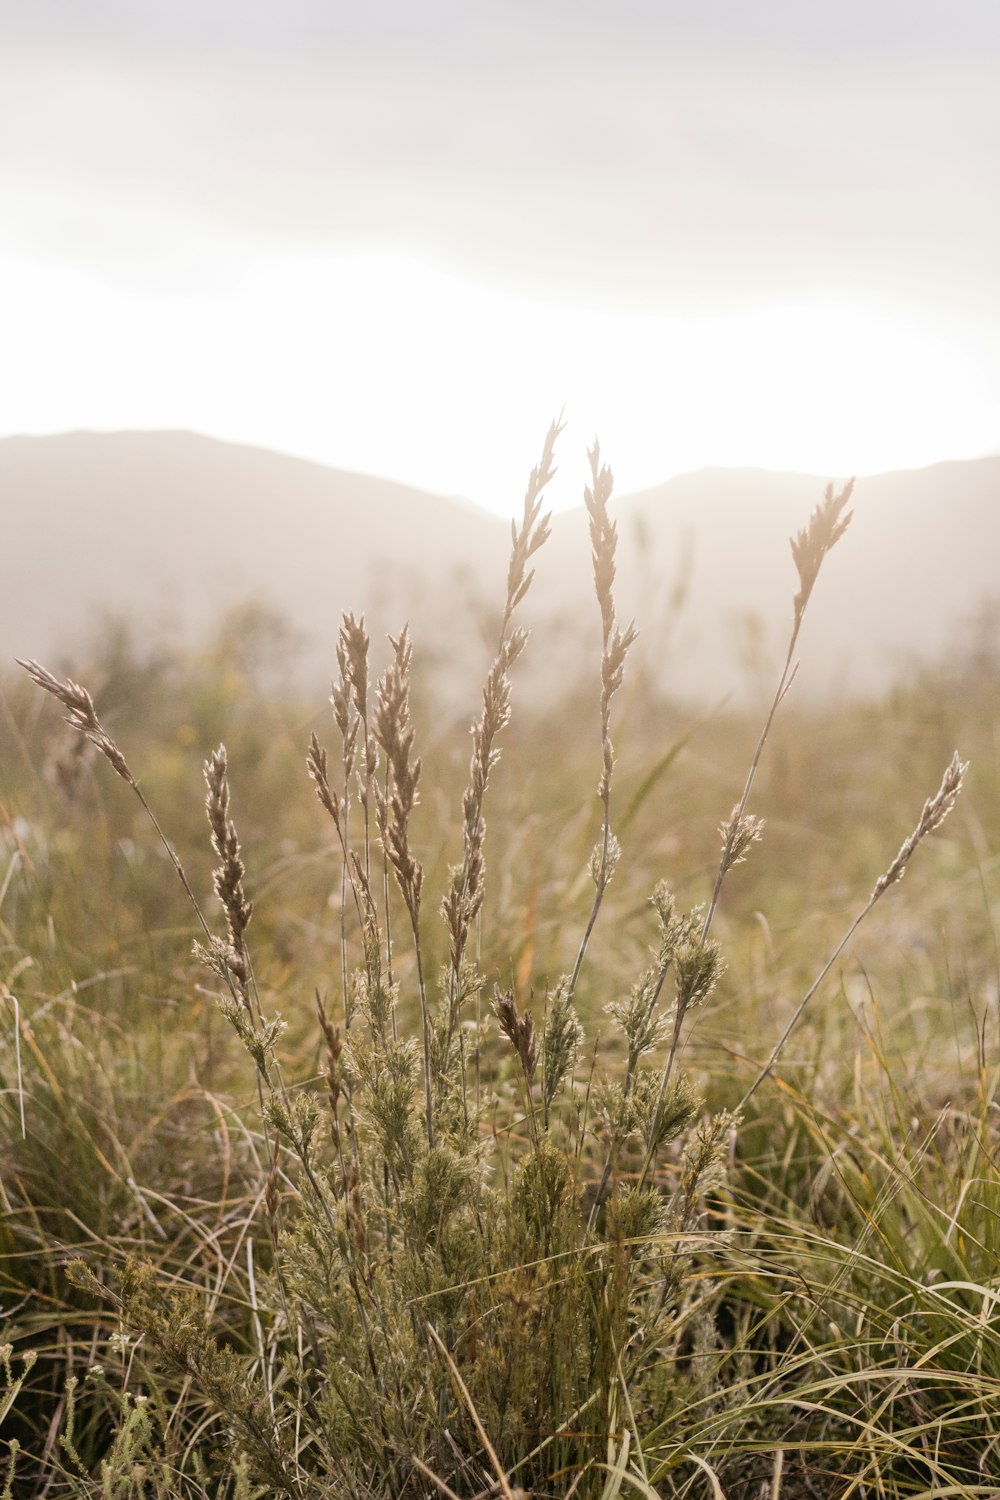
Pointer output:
x,y
81,715
936,809
827,525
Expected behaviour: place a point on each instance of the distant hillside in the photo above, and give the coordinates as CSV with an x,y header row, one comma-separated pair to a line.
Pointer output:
x,y
170,528
919,556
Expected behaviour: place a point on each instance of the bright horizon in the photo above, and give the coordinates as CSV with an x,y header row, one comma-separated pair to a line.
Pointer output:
x,y
400,371
715,238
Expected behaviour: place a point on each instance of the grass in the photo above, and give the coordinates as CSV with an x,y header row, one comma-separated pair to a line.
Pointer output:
x,y
474,1162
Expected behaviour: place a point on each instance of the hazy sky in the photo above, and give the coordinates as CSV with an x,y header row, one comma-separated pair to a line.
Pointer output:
x,y
398,237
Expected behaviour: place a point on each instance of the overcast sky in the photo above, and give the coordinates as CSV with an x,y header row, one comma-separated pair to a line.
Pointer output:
x,y
397,237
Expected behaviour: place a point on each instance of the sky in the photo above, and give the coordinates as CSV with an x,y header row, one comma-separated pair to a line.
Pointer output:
x,y
400,237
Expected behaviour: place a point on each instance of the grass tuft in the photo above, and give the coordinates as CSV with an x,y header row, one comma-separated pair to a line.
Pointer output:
x,y
493,1213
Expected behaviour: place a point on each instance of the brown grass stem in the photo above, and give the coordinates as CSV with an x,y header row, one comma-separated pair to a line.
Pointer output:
x,y
470,1406
466,887
935,810
615,646
810,546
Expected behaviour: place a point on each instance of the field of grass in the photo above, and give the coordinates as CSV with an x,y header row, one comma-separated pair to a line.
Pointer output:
x,y
499,1210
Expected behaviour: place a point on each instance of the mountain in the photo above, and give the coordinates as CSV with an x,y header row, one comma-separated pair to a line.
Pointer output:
x,y
917,560
171,529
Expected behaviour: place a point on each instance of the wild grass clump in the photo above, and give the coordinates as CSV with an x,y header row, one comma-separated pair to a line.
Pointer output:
x,y
471,1248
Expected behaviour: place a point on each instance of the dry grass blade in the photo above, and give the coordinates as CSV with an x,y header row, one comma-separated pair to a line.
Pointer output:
x,y
718,1493
17,1057
435,1479
453,1370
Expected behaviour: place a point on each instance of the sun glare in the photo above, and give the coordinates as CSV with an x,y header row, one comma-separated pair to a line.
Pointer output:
x,y
377,363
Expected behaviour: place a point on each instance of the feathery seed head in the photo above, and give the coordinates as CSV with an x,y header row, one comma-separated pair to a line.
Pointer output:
x,y
561,1038
739,832
698,966
354,641
228,875
393,731
519,1029
316,765
936,809
827,525
603,535
81,715
616,642
466,886
534,528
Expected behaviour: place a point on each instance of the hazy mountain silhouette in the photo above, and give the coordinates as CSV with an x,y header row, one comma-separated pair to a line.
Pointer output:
x,y
170,528
917,560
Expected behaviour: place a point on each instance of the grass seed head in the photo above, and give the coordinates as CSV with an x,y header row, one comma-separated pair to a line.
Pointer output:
x,y
738,833
519,1029
534,528
827,525
229,873
317,766
81,715
393,731
936,809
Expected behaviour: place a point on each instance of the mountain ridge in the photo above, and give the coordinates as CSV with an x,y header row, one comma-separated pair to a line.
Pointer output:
x,y
221,523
